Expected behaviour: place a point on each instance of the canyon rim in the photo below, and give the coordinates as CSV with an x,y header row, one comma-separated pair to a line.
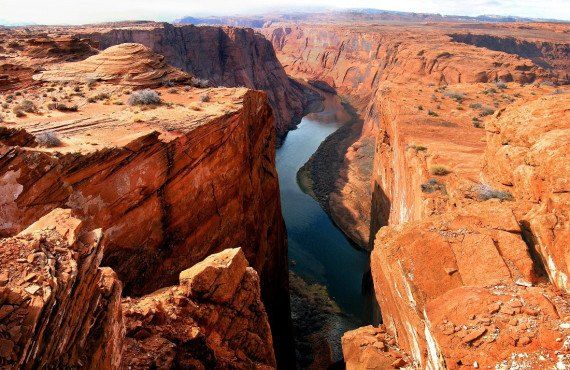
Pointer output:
x,y
321,188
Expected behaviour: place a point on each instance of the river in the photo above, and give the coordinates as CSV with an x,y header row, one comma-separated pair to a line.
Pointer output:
x,y
318,251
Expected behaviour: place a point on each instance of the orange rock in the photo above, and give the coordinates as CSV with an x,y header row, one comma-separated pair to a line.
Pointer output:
x,y
125,64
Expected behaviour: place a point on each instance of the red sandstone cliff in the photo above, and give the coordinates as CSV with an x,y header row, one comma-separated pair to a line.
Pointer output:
x,y
225,56
375,67
60,309
169,184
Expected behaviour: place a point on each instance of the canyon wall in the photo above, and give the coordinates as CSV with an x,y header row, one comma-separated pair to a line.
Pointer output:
x,y
225,56
60,309
168,184
467,262
370,66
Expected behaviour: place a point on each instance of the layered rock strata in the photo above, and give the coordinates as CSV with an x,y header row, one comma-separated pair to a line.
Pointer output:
x,y
60,309
225,56
168,183
365,65
126,64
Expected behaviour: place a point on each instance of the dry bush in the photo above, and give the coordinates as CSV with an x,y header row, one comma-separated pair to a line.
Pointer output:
x,y
145,97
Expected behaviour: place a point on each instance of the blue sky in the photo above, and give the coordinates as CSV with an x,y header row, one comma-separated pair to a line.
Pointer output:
x,y
86,11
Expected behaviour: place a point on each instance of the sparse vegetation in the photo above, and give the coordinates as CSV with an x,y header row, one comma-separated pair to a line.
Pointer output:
x,y
62,107
432,185
475,106
420,107
486,111
173,91
457,96
501,85
19,112
28,106
486,192
204,98
48,139
432,113
476,122
418,148
489,91
439,170
145,97
200,82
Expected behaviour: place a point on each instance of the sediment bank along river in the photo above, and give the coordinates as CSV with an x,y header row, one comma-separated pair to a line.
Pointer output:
x,y
319,252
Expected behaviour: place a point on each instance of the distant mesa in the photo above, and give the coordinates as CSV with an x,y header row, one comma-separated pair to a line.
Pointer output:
x,y
125,64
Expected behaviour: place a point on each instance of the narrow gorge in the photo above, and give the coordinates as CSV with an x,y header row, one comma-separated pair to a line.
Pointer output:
x,y
372,191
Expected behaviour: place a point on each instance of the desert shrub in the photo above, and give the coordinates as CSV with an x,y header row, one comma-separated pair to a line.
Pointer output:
x,y
5,105
168,83
173,91
476,122
28,106
204,98
486,192
501,85
486,111
489,91
418,148
62,107
457,96
145,97
439,170
19,112
100,96
48,139
432,185
200,82
432,113
475,106
1,118
420,107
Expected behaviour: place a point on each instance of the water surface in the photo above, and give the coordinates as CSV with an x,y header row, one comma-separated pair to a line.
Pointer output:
x,y
319,252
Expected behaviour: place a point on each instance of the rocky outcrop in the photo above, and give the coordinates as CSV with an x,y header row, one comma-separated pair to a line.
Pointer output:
x,y
125,64
213,319
169,185
554,56
374,69
527,155
225,56
58,308
22,54
371,347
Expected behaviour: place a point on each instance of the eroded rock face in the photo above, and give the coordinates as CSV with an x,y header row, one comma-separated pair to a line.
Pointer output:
x,y
527,154
382,71
371,347
225,56
169,184
125,64
58,308
213,319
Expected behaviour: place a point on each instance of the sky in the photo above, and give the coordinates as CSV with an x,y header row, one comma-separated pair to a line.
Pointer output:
x,y
91,11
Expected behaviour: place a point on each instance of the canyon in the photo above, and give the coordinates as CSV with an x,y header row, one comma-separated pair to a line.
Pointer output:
x,y
439,176
146,205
